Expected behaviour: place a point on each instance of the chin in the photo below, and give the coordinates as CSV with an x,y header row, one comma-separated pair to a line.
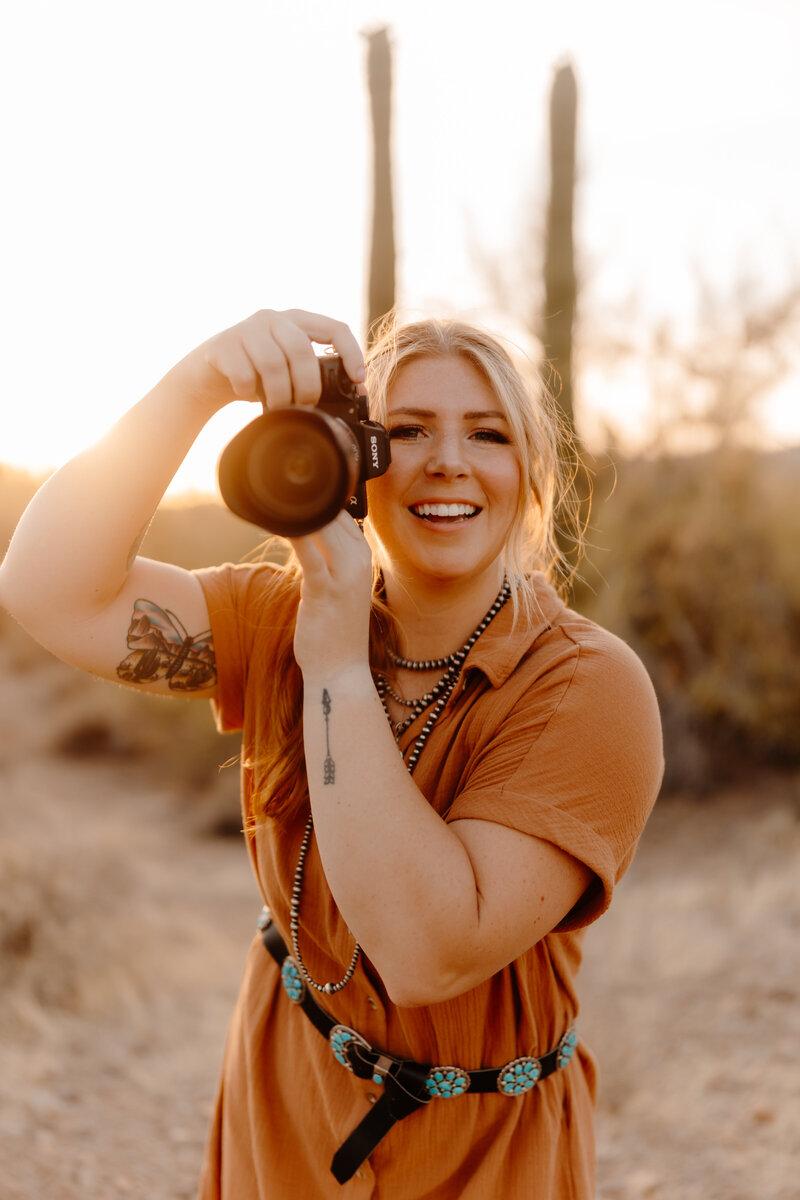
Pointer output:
x,y
448,570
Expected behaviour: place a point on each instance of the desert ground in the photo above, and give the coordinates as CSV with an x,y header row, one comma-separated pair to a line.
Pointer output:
x,y
125,914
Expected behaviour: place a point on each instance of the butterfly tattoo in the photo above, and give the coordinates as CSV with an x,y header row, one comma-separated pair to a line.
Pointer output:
x,y
162,649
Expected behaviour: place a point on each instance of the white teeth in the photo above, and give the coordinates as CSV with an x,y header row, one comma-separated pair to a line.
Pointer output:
x,y
445,510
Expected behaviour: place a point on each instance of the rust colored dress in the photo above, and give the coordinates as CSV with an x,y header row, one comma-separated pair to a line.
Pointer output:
x,y
553,730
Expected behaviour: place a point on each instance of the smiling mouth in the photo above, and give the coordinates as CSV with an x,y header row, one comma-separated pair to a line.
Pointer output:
x,y
444,514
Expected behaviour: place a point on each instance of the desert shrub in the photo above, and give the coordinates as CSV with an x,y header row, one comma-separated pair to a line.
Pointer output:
x,y
201,535
58,949
171,741
695,564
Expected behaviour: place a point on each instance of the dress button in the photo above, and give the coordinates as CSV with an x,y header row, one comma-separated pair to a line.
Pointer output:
x,y
371,1097
360,1174
372,1002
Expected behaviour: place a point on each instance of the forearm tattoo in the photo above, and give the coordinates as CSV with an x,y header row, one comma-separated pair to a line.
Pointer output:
x,y
329,766
162,649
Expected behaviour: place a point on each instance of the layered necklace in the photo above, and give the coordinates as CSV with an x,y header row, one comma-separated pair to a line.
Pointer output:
x,y
435,699
440,693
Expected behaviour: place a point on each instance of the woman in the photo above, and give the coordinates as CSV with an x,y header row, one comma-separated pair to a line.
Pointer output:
x,y
428,877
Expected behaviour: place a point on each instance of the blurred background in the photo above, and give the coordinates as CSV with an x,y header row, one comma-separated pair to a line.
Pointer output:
x,y
613,189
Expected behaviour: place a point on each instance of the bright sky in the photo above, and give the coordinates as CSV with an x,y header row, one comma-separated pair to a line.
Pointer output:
x,y
172,165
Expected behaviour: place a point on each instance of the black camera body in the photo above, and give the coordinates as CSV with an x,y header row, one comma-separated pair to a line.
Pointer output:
x,y
293,469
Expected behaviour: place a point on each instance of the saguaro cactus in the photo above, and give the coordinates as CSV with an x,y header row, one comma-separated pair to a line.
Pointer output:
x,y
559,266
381,286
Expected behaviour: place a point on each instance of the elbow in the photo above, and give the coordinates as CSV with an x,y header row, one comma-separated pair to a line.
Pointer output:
x,y
8,600
412,989
408,997
16,598
424,973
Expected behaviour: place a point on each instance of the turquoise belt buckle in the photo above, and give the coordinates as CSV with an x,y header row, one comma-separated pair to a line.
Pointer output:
x,y
445,1083
342,1039
519,1076
293,983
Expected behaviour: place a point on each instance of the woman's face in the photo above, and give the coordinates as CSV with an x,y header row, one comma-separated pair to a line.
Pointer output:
x,y
444,508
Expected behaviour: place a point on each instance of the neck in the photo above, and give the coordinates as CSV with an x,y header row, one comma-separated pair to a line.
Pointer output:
x,y
435,621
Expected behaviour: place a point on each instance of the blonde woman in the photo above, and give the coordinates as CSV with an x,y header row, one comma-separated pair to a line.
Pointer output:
x,y
445,770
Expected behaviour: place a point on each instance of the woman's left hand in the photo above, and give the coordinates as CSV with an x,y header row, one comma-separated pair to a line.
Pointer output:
x,y
332,630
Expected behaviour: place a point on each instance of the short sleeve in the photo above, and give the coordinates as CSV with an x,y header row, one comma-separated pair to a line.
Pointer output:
x,y
578,762
239,598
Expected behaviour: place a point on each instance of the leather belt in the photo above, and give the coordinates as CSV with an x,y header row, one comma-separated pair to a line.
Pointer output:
x,y
408,1085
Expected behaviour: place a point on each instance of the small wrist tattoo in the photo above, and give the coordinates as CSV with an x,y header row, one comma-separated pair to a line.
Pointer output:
x,y
329,766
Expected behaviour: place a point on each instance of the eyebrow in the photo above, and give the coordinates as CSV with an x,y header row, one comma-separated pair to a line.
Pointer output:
x,y
476,415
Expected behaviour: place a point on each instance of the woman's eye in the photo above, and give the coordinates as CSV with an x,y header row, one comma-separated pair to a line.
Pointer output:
x,y
491,435
408,433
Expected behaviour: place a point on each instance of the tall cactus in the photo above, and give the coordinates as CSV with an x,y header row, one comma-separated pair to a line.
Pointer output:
x,y
381,286
559,266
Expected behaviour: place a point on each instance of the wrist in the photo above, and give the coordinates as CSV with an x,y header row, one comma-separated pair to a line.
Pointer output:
x,y
351,680
192,386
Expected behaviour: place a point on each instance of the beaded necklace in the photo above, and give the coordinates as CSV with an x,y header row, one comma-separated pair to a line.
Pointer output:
x,y
438,697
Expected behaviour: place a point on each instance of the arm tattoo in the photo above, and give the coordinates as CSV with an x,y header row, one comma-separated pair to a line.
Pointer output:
x,y
329,766
162,649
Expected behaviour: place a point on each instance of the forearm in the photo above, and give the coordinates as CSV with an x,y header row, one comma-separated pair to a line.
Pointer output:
x,y
75,543
402,880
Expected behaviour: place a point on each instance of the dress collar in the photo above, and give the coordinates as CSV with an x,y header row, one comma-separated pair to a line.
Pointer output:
x,y
500,649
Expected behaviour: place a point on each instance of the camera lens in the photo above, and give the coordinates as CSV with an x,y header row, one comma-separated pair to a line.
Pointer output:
x,y
293,469
290,471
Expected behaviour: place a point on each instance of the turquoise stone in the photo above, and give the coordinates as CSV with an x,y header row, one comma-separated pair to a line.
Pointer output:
x,y
519,1076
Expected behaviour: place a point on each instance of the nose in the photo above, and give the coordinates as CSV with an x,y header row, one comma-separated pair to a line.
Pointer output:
x,y
447,458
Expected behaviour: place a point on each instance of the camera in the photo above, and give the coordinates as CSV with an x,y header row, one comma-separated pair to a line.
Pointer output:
x,y
293,469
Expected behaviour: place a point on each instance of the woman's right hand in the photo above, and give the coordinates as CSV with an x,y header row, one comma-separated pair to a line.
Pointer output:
x,y
269,357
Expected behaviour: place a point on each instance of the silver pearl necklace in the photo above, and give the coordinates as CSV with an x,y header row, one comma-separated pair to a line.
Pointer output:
x,y
329,989
444,688
438,696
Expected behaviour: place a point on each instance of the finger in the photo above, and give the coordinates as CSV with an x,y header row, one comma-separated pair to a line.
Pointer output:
x,y
342,547
326,545
302,362
350,527
269,363
310,557
327,332
231,360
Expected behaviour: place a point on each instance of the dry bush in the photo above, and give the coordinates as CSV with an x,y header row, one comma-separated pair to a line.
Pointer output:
x,y
82,918
201,535
699,572
60,923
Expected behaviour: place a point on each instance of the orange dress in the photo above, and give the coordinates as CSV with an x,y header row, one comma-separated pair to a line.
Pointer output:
x,y
553,730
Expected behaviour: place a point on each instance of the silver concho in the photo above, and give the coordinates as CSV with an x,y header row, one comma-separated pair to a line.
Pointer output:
x,y
519,1076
